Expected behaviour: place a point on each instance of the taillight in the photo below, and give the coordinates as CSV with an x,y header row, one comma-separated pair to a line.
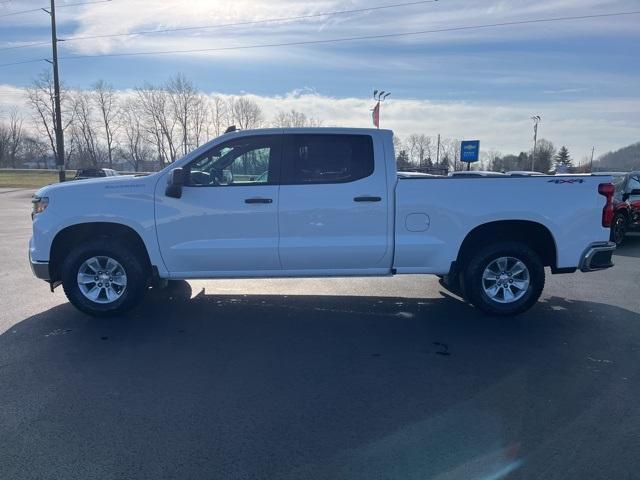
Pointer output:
x,y
607,189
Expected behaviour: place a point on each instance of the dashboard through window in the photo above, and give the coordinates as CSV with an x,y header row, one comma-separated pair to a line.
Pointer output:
x,y
242,161
327,158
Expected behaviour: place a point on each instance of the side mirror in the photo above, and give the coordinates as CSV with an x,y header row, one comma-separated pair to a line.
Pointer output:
x,y
175,183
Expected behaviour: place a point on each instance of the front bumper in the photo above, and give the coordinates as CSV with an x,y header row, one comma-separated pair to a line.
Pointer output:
x,y
39,269
597,256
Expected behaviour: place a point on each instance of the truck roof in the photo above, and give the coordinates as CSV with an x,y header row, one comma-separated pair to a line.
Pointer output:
x,y
337,130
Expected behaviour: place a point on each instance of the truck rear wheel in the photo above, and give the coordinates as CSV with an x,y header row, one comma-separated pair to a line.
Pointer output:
x,y
504,278
103,278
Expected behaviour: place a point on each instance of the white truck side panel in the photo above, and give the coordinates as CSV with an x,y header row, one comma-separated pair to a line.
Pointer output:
x,y
453,207
125,200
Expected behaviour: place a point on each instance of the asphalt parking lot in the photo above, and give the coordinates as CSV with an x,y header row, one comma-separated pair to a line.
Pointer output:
x,y
318,379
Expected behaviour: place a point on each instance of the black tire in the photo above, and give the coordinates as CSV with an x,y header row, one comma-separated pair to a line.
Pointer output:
x,y
473,278
619,228
135,271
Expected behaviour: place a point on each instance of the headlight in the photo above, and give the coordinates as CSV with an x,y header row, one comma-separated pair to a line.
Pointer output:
x,y
40,204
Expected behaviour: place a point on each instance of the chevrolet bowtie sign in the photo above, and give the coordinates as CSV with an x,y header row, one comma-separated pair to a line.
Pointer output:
x,y
469,150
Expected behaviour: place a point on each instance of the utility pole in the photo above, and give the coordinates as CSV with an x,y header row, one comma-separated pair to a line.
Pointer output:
x,y
593,149
438,152
536,121
56,95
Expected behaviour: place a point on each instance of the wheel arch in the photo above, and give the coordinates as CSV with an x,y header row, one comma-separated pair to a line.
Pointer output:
x,y
534,234
73,235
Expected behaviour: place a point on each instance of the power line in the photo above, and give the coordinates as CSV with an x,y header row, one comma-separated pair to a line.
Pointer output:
x,y
224,25
22,62
349,39
364,37
27,45
59,6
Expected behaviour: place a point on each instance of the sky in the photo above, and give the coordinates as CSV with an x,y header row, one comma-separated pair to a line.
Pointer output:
x,y
582,76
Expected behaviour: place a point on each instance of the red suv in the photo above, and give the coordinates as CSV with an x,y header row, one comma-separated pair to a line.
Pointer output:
x,y
626,201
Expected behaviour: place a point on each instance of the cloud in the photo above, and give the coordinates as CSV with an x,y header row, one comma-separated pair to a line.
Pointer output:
x,y
121,17
498,77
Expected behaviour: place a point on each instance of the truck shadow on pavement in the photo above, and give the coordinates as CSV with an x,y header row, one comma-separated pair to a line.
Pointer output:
x,y
198,385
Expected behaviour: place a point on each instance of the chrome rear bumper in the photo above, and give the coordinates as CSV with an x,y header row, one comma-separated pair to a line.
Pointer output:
x,y
597,256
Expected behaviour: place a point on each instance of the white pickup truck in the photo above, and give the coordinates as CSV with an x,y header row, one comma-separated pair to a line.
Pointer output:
x,y
314,203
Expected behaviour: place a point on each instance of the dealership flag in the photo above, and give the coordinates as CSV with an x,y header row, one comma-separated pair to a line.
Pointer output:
x,y
376,115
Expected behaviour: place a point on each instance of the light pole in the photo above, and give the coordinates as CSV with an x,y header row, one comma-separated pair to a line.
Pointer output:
x,y
593,149
379,97
536,120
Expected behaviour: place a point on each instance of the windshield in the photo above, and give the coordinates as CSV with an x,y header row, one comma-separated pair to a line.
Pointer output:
x,y
618,181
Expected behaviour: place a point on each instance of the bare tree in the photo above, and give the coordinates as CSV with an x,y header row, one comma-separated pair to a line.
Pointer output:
x,y
198,121
4,144
451,153
545,151
159,121
219,115
34,150
104,97
294,119
419,149
40,97
15,134
134,147
245,113
189,110
84,130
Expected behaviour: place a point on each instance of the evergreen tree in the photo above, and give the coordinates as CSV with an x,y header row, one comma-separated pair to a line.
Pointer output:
x,y
403,161
563,158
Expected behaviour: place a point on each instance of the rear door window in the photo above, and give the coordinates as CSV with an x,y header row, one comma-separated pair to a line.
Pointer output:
x,y
327,158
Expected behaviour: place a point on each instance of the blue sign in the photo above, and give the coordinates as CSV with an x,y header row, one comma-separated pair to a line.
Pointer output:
x,y
470,151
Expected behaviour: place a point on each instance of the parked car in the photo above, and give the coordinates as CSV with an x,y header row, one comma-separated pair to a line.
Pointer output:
x,y
84,173
524,173
332,204
626,202
475,174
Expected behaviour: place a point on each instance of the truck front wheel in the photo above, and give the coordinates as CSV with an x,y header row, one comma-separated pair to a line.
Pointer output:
x,y
103,278
504,278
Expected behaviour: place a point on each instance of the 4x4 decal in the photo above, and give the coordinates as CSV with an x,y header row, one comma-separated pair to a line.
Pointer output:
x,y
567,180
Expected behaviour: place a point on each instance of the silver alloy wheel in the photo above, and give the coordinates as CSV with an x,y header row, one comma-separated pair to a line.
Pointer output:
x,y
102,279
505,280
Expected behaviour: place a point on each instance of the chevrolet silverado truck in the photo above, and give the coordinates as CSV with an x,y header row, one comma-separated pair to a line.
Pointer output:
x,y
319,202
